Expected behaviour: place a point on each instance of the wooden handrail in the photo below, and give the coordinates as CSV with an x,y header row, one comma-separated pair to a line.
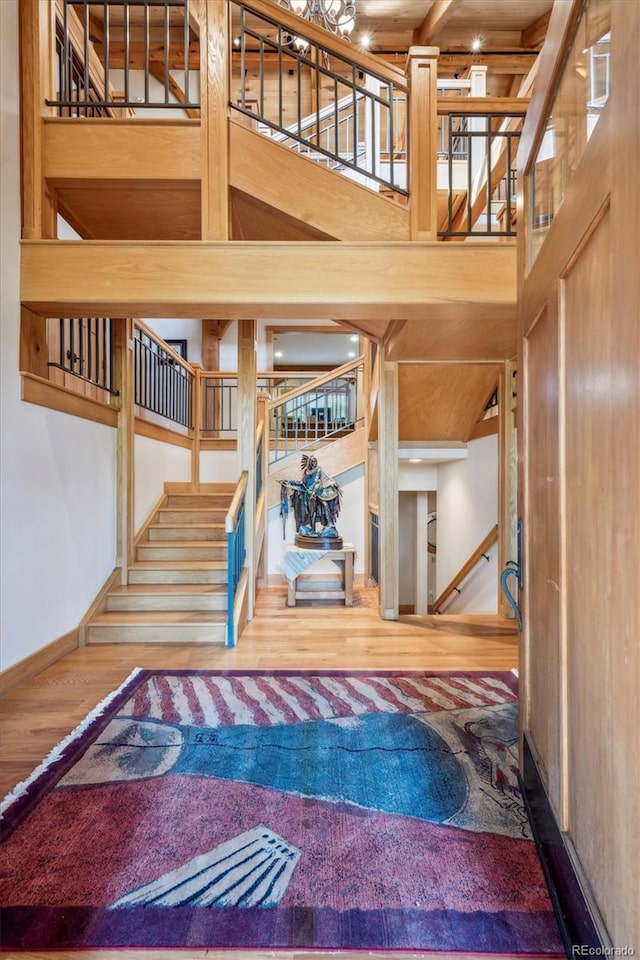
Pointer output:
x,y
334,45
472,106
259,433
488,541
148,332
232,516
316,382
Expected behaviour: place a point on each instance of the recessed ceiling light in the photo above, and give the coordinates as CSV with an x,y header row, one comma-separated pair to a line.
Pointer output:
x,y
236,41
415,460
365,40
351,353
278,353
476,44
355,338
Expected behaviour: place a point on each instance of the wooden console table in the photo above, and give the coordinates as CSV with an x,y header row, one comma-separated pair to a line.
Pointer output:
x,y
297,560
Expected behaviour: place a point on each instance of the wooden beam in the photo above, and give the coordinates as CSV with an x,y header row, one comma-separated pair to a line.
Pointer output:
x,y
473,282
435,21
212,333
157,70
534,34
451,62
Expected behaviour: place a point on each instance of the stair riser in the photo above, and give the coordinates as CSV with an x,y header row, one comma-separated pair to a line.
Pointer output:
x,y
150,552
177,576
167,602
157,633
165,532
191,516
204,501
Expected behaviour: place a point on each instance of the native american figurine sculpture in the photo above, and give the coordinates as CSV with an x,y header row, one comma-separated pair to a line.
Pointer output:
x,y
315,499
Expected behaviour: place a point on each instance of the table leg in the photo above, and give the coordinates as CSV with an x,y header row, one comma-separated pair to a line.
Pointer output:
x,y
348,579
291,593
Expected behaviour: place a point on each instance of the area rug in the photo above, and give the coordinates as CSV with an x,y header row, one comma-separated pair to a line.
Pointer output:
x,y
245,810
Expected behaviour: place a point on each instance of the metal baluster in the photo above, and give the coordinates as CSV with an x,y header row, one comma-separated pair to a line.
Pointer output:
x,y
280,123
317,60
127,98
335,116
508,220
355,113
146,53
86,57
185,84
392,137
243,64
469,177
81,344
299,95
261,71
66,96
107,44
166,51
91,374
489,142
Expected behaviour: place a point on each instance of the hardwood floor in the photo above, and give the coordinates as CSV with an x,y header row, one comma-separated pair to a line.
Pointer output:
x,y
38,714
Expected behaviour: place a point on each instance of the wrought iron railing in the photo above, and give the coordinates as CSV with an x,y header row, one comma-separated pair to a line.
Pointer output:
x,y
83,347
320,411
348,89
236,551
481,197
163,382
142,48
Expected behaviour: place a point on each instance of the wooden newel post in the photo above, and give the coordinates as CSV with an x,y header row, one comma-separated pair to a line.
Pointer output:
x,y
422,72
196,419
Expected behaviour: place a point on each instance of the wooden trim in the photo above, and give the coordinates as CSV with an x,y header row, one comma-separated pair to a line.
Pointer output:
x,y
36,662
572,905
467,567
326,41
56,397
155,431
214,105
98,604
484,428
225,443
149,519
123,343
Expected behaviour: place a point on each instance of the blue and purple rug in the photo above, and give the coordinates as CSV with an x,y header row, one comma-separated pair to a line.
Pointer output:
x,y
360,810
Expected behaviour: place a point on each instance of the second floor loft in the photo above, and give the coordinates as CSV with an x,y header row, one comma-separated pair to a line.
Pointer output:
x,y
258,124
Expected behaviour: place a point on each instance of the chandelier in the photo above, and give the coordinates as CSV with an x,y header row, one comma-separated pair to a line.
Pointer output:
x,y
337,16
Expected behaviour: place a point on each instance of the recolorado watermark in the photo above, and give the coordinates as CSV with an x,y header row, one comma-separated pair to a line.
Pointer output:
x,y
584,951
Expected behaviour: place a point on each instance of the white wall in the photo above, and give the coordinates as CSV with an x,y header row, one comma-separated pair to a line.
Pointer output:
x,y
350,525
57,495
155,463
407,544
219,466
467,510
229,348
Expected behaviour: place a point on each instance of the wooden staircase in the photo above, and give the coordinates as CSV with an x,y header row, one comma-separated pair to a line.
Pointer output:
x,y
177,589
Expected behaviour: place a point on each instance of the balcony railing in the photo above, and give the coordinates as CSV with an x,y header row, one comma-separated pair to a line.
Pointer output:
x,y
118,57
82,348
163,381
356,113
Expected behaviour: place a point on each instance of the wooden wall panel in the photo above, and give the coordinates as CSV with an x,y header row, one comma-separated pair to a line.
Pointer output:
x,y
443,401
591,515
542,533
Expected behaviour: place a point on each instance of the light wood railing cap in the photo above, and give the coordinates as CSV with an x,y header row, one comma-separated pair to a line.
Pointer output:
x,y
231,519
148,332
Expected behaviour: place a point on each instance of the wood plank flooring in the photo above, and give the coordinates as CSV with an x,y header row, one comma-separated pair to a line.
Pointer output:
x,y
38,714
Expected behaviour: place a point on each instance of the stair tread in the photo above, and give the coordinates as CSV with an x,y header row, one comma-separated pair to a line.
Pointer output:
x,y
123,617
180,544
175,525
136,589
179,564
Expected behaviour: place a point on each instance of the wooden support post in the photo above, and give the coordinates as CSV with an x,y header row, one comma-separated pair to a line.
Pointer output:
x,y
214,98
125,481
34,350
247,369
262,532
37,43
507,478
196,419
422,71
388,496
